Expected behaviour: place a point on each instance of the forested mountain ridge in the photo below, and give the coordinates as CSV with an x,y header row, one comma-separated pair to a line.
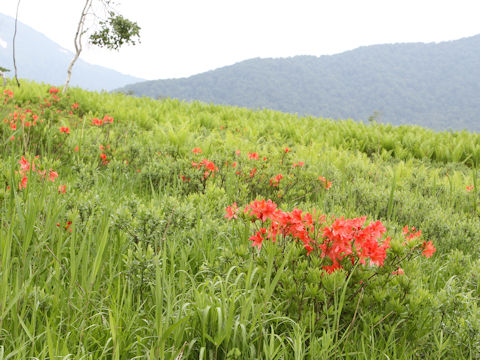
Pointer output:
x,y
436,85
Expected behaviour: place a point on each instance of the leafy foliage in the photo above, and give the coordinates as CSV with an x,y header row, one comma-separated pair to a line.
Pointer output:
x,y
115,32
114,242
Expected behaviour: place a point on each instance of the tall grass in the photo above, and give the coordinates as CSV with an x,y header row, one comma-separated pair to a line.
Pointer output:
x,y
149,268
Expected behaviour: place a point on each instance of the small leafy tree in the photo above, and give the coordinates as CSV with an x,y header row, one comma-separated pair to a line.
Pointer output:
x,y
115,31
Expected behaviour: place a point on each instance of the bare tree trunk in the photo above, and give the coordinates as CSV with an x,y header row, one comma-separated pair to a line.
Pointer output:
x,y
78,42
14,36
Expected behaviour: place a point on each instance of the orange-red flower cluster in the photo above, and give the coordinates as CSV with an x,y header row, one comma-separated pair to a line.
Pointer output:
x,y
99,122
209,166
344,239
428,249
327,184
276,180
27,167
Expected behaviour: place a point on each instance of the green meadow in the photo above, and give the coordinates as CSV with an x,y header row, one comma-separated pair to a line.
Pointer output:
x,y
119,237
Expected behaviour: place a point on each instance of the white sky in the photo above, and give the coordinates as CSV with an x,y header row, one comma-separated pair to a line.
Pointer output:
x,y
184,37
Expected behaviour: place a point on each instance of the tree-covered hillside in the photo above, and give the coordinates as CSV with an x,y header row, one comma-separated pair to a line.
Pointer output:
x,y
432,85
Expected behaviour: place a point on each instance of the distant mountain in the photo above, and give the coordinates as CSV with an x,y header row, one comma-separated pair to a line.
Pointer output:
x,y
436,85
39,58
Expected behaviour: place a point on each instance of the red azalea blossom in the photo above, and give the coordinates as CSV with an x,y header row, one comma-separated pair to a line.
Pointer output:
x,y
257,238
328,184
52,175
399,271
24,165
107,119
276,180
428,249
232,211
53,90
23,184
261,209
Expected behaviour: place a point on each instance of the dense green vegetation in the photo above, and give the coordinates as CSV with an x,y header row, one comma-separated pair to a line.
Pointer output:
x,y
432,85
116,245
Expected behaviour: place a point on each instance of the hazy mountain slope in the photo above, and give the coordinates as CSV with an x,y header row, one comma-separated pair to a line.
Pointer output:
x,y
40,59
434,85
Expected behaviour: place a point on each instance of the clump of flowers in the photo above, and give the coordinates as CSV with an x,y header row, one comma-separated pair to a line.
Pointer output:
x,y
99,122
343,240
27,168
207,166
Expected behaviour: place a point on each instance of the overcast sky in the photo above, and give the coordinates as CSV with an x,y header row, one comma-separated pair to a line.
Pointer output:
x,y
180,38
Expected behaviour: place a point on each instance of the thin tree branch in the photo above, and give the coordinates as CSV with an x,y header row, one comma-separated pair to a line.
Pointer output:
x,y
14,37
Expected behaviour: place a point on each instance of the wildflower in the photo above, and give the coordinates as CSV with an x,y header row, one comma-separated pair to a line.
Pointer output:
x,y
23,184
399,271
253,156
261,209
53,90
276,180
107,119
52,175
65,130
61,189
287,150
470,188
76,148
197,150
328,184
75,106
428,249
257,238
231,211
300,163
24,165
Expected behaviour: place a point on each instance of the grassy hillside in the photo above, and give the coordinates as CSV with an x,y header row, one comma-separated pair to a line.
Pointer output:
x,y
121,238
432,85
